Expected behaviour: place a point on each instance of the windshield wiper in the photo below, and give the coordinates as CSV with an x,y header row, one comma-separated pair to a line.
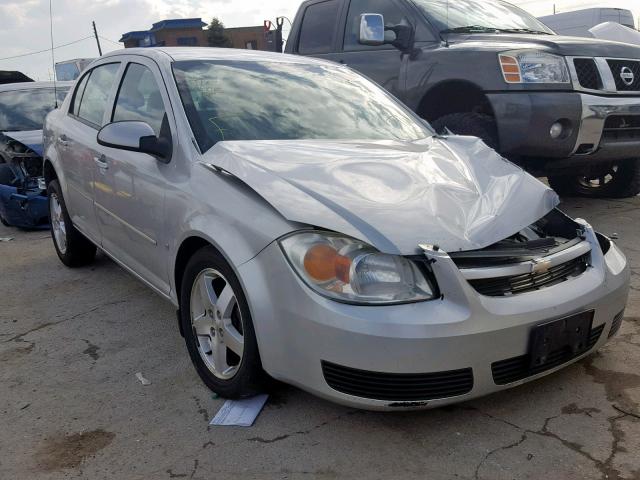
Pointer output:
x,y
470,29
483,29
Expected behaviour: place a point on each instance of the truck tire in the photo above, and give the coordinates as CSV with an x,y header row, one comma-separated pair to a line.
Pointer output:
x,y
621,180
73,248
469,123
218,329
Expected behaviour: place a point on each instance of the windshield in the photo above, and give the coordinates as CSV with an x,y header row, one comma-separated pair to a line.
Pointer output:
x,y
26,109
236,100
481,15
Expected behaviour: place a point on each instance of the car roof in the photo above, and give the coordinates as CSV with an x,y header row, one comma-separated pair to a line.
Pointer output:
x,y
9,87
210,53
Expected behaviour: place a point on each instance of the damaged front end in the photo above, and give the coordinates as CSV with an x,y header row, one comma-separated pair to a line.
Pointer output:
x,y
23,201
546,253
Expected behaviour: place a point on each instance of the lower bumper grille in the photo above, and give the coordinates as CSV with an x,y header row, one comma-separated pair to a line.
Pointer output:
x,y
495,287
518,368
397,386
616,324
621,128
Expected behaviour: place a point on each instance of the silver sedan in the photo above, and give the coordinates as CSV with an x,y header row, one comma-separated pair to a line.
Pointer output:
x,y
310,228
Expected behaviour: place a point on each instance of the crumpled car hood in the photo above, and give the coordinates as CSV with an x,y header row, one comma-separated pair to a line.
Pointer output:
x,y
30,138
454,192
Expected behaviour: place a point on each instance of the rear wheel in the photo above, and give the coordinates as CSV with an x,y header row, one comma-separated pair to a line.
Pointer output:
x,y
619,180
73,248
217,327
469,123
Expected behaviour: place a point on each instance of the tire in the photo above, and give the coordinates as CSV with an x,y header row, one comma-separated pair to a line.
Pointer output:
x,y
621,180
73,248
469,123
205,285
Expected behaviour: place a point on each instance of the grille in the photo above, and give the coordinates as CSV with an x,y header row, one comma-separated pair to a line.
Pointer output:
x,y
621,127
500,286
616,324
588,74
616,69
397,386
518,368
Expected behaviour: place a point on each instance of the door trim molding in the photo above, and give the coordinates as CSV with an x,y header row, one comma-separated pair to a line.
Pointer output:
x,y
126,224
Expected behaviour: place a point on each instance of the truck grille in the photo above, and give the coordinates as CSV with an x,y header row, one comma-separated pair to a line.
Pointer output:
x,y
622,127
588,74
501,286
629,67
398,386
518,368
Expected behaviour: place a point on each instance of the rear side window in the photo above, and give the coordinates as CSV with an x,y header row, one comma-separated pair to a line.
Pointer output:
x,y
77,97
139,98
392,12
318,28
95,96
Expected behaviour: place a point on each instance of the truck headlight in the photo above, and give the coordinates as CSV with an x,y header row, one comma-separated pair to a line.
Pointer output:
x,y
533,67
351,271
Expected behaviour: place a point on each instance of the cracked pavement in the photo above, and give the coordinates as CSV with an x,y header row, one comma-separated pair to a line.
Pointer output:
x,y
71,407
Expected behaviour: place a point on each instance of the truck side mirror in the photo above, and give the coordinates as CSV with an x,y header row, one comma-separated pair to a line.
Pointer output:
x,y
371,29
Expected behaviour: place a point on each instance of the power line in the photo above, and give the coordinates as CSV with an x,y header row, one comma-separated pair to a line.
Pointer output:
x,y
109,40
46,49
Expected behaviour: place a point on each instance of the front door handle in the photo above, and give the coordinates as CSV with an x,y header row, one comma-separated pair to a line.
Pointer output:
x,y
62,140
101,161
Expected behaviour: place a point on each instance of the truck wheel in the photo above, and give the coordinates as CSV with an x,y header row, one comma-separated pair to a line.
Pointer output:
x,y
469,123
73,248
218,329
620,180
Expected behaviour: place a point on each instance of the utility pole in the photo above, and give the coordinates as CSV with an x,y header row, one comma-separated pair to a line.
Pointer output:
x,y
554,8
95,32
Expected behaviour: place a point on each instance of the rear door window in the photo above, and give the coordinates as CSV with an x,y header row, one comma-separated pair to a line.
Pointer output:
x,y
318,30
95,96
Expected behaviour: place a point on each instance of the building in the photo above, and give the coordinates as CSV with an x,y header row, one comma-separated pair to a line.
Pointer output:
x,y
252,38
180,32
188,32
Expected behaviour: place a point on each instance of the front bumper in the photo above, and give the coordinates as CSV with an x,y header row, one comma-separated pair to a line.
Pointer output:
x,y
297,329
525,118
28,209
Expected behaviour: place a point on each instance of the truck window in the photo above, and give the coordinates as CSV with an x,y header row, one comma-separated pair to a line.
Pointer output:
x,y
318,28
393,14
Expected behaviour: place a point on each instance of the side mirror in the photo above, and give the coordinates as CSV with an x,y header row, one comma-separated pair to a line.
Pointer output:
x,y
371,29
135,136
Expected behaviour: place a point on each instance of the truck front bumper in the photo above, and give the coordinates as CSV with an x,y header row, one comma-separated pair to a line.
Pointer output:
x,y
597,128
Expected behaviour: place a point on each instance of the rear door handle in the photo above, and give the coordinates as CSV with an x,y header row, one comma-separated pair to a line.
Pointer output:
x,y
101,161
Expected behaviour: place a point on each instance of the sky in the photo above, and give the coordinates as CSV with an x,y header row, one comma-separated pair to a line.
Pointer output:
x,y
25,26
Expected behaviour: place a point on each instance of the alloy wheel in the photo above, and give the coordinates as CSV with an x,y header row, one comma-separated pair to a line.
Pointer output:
x,y
216,322
57,223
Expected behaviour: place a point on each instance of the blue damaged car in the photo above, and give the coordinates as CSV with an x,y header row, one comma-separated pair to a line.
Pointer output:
x,y
23,107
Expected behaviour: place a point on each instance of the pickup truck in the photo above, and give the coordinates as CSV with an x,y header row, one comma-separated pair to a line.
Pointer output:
x,y
563,107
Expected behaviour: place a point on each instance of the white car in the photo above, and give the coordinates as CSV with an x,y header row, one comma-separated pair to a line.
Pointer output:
x,y
309,227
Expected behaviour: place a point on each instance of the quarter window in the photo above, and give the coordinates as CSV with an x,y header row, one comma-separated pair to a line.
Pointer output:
x,y
139,98
318,28
392,12
95,96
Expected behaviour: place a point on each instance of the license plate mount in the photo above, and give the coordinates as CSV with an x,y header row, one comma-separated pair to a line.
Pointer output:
x,y
569,334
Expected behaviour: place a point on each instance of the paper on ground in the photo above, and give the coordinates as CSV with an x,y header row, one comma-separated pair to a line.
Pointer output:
x,y
142,379
240,412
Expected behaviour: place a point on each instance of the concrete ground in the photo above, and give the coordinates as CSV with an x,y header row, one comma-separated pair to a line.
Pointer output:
x,y
71,342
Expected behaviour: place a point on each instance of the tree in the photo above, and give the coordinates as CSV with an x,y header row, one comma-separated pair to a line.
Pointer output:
x,y
216,36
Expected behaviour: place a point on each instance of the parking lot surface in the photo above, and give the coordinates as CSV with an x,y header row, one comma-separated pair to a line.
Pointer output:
x,y
71,342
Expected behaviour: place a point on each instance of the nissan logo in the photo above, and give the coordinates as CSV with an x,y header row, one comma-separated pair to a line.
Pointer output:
x,y
627,76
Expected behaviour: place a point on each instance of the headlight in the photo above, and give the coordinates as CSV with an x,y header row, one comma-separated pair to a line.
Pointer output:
x,y
533,67
348,270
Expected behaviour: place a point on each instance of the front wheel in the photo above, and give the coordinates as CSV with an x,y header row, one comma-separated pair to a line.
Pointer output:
x,y
218,329
73,248
619,180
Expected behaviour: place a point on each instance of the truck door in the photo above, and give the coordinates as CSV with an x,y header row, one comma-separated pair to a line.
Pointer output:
x,y
384,63
319,30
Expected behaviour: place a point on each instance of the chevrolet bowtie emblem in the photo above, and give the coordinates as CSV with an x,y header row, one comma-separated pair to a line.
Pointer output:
x,y
540,265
